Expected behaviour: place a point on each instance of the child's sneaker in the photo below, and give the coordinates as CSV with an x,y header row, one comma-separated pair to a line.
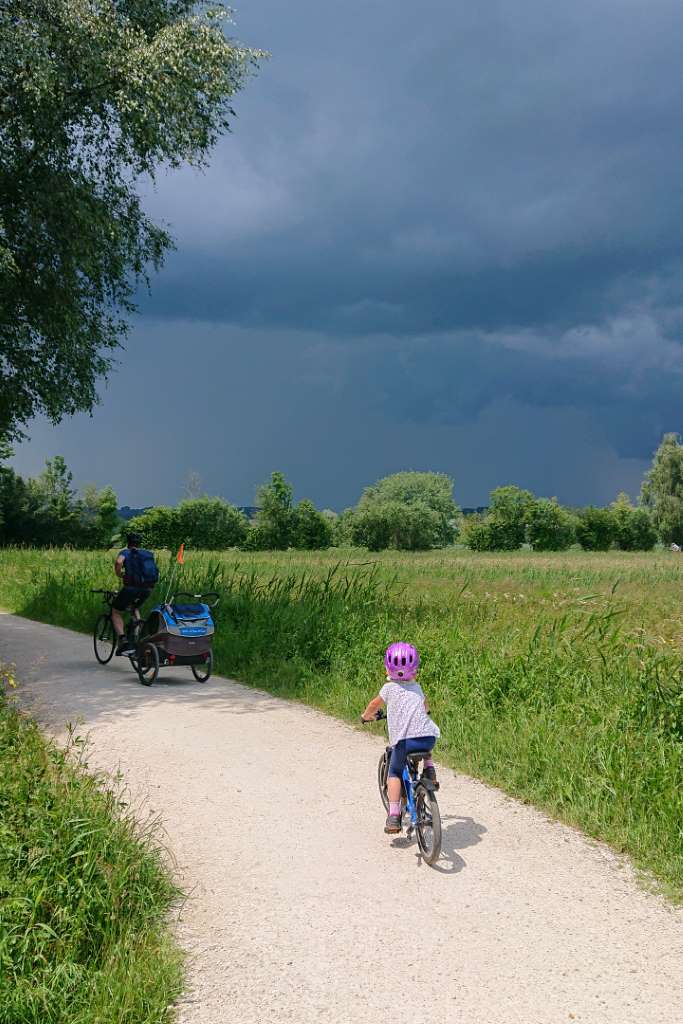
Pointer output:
x,y
393,824
429,773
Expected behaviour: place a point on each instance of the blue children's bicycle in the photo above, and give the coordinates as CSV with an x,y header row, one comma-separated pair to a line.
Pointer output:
x,y
418,801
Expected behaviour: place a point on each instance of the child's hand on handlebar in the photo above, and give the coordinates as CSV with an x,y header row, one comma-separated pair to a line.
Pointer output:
x,y
374,712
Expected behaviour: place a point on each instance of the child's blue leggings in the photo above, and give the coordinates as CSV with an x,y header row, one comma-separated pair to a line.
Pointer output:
x,y
403,748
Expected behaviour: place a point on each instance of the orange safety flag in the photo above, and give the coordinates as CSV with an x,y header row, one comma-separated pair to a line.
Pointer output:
x,y
181,553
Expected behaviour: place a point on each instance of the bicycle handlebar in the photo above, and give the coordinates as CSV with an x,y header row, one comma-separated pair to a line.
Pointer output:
x,y
199,597
379,716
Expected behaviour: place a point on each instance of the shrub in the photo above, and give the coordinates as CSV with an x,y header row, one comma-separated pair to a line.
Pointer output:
x,y
595,530
549,526
312,529
633,528
157,527
481,535
508,517
391,524
208,523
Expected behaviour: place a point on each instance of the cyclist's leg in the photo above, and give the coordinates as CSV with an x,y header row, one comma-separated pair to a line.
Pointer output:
x,y
119,605
396,765
424,743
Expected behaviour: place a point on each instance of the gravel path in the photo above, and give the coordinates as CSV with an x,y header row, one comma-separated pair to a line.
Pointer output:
x,y
302,910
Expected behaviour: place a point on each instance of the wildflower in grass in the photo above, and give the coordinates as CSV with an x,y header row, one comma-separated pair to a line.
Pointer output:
x,y
8,676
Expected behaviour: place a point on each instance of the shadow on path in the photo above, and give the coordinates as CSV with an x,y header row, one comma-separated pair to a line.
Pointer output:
x,y
461,832
60,681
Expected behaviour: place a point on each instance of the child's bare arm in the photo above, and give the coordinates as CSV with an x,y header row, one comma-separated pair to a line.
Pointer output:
x,y
371,710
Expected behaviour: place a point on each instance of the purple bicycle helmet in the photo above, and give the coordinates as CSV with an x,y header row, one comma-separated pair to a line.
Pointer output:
x,y
401,661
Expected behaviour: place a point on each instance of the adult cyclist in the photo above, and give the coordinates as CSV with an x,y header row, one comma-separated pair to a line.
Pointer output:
x,y
138,573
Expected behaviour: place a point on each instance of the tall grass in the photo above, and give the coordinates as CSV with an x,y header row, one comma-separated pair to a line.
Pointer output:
x,y
565,693
84,893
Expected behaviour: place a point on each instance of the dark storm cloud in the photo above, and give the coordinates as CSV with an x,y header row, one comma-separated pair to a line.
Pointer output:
x,y
444,236
462,166
333,415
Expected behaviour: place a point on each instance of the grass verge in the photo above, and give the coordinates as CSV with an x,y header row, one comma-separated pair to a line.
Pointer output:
x,y
542,685
84,893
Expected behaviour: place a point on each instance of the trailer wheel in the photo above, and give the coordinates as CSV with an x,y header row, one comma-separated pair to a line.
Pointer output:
x,y
202,671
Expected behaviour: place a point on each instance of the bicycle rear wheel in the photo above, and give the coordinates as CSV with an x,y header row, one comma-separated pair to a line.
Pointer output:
x,y
147,663
382,778
428,824
104,639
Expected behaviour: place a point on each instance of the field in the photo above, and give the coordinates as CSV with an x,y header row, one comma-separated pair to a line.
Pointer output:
x,y
557,677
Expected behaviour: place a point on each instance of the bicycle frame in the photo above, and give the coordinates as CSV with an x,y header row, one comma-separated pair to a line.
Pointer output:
x,y
409,782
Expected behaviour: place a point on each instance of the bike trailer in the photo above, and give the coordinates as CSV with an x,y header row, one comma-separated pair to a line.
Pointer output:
x,y
182,633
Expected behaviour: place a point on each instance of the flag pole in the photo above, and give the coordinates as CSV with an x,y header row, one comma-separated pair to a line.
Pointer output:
x,y
180,560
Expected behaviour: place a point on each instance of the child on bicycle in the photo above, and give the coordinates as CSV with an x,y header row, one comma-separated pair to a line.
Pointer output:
x,y
410,727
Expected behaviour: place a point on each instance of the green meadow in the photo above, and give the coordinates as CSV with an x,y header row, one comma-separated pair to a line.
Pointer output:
x,y
557,677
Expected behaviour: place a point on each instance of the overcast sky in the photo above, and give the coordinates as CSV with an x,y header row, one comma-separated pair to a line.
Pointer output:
x,y
443,236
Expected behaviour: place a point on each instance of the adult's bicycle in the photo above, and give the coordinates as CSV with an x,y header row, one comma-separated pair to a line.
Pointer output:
x,y
145,659
418,801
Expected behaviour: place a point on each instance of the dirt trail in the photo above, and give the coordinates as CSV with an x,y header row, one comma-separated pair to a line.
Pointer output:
x,y
302,910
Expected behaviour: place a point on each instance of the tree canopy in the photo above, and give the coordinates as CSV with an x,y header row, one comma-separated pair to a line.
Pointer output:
x,y
408,510
662,490
47,511
94,96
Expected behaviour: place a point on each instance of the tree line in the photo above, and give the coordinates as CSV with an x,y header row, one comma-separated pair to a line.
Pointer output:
x,y
407,511
48,511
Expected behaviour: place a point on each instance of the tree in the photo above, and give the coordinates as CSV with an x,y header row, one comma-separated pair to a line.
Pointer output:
x,y
549,526
426,495
504,528
98,517
193,486
633,527
662,490
392,524
209,524
95,97
312,529
56,500
21,521
158,527
596,529
274,523
342,536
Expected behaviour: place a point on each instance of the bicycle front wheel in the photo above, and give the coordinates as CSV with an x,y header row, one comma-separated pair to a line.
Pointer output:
x,y
104,639
382,778
428,824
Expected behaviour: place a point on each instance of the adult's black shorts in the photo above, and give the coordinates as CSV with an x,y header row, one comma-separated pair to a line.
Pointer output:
x,y
130,597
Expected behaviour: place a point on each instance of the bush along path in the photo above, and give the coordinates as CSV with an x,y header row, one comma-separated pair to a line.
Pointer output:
x,y
301,909
84,893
